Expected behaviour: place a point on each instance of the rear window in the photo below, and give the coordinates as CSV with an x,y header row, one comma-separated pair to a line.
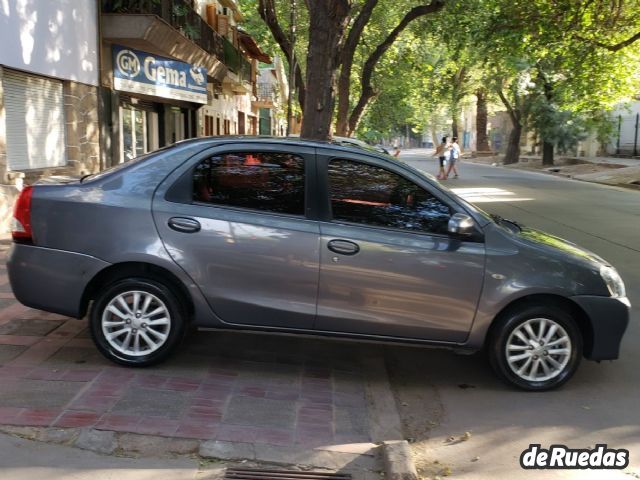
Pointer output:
x,y
124,165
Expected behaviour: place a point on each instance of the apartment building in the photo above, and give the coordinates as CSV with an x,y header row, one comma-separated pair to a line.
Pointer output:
x,y
49,96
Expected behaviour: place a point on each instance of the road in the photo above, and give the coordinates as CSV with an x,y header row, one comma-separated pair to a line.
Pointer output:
x,y
442,395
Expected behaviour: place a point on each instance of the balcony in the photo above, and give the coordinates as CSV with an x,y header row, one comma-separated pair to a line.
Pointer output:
x,y
235,61
173,28
266,96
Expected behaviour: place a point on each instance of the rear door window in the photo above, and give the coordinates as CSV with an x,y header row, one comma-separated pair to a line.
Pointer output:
x,y
272,182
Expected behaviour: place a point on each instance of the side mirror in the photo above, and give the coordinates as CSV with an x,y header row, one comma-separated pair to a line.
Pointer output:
x,y
461,224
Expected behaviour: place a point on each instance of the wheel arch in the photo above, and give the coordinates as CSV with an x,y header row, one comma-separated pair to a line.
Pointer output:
x,y
557,301
120,271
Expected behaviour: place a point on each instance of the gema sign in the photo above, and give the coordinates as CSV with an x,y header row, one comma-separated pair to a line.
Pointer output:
x,y
140,72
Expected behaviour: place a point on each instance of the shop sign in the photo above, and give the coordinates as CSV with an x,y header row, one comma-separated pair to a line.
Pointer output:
x,y
140,72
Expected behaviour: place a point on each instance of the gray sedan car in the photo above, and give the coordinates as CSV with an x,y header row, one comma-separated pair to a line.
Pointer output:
x,y
306,237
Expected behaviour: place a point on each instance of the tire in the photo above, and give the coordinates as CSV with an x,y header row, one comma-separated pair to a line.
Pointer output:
x,y
561,361
158,333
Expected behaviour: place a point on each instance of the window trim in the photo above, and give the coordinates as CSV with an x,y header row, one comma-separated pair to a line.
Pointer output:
x,y
327,216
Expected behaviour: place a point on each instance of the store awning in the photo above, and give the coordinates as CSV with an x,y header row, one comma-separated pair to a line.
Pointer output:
x,y
152,34
252,48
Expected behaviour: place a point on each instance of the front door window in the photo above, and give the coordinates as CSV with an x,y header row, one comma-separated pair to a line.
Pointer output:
x,y
370,195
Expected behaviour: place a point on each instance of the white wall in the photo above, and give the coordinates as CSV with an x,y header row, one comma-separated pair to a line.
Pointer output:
x,y
628,113
56,38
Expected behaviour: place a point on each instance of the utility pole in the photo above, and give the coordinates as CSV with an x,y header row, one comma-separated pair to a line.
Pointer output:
x,y
292,63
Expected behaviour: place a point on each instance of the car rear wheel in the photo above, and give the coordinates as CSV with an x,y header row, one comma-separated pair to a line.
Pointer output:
x,y
536,348
137,322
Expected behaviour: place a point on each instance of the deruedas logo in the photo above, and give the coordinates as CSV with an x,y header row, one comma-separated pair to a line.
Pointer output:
x,y
562,457
128,63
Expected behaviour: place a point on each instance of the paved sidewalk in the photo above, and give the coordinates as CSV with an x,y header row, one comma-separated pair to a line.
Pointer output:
x,y
287,392
26,460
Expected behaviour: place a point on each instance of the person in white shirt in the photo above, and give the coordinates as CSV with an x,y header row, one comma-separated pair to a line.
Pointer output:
x,y
454,155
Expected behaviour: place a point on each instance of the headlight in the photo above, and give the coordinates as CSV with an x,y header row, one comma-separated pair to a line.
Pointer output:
x,y
613,281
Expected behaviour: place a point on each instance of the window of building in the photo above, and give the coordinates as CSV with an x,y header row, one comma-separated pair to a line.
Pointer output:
x,y
35,121
370,195
208,125
272,182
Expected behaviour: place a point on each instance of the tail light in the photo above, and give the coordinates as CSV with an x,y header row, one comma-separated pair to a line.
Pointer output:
x,y
21,222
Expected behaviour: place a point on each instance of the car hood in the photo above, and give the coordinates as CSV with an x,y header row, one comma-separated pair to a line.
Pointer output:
x,y
557,245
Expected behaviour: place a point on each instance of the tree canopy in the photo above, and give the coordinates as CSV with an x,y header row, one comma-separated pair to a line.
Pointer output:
x,y
554,66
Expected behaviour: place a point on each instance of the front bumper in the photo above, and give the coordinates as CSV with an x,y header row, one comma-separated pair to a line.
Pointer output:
x,y
49,279
608,318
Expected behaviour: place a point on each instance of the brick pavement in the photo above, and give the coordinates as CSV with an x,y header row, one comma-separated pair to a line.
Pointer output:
x,y
254,388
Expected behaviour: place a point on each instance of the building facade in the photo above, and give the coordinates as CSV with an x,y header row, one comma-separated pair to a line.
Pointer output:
x,y
88,84
49,97
175,69
271,99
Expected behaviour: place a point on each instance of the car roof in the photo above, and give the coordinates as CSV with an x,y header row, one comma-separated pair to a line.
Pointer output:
x,y
221,140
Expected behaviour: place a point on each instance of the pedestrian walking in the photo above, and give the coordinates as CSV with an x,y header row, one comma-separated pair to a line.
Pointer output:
x,y
396,153
441,151
454,155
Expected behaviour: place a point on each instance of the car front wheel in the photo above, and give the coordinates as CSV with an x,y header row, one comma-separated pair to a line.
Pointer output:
x,y
536,348
136,322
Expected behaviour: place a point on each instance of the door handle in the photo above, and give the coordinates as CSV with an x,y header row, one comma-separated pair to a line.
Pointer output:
x,y
343,247
184,225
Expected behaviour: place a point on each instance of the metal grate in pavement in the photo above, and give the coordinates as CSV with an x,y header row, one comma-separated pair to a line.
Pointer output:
x,y
262,474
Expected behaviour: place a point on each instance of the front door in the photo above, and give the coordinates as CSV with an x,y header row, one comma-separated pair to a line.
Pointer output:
x,y
242,235
387,265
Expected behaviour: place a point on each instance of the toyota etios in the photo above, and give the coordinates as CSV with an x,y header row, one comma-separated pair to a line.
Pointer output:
x,y
290,236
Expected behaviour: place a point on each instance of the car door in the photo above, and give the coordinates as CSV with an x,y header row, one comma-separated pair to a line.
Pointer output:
x,y
387,265
236,222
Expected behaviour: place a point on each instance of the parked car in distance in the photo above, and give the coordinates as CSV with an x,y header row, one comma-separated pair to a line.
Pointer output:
x,y
293,236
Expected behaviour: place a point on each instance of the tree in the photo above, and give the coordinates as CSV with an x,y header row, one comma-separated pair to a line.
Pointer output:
x,y
329,45
549,69
367,91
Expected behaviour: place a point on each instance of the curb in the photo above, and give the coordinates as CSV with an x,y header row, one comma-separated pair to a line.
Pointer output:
x,y
398,461
568,176
385,421
364,457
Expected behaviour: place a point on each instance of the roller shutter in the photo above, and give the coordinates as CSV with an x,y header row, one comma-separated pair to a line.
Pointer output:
x,y
35,124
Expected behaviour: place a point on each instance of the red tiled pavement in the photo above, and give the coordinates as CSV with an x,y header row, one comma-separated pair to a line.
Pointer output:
x,y
191,396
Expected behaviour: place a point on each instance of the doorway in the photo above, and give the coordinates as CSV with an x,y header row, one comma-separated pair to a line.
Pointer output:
x,y
138,132
174,125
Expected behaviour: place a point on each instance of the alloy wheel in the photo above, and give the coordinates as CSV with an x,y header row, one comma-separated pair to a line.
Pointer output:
x,y
538,350
136,323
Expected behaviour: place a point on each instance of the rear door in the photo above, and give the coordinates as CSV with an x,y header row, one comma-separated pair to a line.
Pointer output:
x,y
387,265
236,222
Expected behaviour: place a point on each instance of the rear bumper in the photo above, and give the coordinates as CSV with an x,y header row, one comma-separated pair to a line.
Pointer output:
x,y
608,318
51,280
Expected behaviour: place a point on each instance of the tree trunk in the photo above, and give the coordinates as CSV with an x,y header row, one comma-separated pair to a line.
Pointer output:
x,y
327,22
267,11
457,94
482,141
547,147
513,147
547,154
344,81
434,136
